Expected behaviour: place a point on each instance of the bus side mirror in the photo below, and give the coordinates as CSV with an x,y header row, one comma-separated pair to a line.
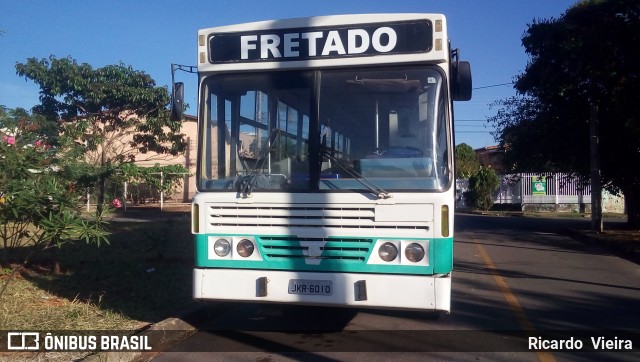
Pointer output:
x,y
461,81
177,101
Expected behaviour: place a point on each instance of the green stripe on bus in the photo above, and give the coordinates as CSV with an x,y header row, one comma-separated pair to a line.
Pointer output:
x,y
440,258
442,255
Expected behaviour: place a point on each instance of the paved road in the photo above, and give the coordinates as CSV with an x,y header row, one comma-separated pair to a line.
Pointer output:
x,y
511,275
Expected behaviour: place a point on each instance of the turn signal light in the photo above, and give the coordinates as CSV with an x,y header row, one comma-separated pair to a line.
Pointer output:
x,y
195,218
444,219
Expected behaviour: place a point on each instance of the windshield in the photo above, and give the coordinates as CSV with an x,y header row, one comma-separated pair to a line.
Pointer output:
x,y
330,130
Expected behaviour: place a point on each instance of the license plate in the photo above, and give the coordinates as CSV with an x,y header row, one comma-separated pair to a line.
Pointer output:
x,y
310,287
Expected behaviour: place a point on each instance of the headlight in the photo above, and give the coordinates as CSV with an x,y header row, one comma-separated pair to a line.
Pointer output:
x,y
388,251
414,252
245,248
222,247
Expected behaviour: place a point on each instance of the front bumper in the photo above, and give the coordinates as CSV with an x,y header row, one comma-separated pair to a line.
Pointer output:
x,y
414,292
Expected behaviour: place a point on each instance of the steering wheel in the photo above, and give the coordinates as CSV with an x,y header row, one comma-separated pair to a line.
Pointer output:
x,y
398,152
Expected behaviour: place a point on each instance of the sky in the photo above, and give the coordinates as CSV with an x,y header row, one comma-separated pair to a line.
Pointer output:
x,y
151,35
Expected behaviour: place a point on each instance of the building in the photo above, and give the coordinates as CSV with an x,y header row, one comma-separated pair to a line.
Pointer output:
x,y
117,142
187,190
492,157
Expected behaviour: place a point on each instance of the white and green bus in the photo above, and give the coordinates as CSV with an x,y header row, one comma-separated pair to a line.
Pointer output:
x,y
326,161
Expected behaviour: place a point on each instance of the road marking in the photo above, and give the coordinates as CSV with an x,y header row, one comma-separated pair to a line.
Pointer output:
x,y
512,301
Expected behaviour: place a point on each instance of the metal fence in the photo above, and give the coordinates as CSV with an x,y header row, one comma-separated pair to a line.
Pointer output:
x,y
131,194
549,188
534,188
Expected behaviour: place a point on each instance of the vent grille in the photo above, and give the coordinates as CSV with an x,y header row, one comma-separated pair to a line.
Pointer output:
x,y
348,216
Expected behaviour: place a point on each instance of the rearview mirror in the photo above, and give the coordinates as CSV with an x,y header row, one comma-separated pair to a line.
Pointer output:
x,y
177,101
461,81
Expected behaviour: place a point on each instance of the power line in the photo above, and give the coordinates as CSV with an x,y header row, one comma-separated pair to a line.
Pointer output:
x,y
494,85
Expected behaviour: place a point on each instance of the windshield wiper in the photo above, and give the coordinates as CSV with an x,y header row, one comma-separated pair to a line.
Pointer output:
x,y
245,184
376,190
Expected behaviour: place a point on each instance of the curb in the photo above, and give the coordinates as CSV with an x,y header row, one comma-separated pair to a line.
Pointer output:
x,y
161,336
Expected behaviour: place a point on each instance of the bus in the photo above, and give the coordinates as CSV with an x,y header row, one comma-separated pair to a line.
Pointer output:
x,y
325,166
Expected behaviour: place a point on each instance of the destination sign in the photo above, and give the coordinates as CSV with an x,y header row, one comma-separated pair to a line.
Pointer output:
x,y
321,42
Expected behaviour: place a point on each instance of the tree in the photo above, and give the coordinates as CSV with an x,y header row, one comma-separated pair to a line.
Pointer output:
x,y
466,161
107,115
39,205
589,55
482,185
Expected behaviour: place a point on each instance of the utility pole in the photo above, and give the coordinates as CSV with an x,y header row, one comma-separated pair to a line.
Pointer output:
x,y
596,185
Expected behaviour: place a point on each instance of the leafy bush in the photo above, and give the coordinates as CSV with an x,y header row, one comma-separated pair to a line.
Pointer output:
x,y
482,186
466,161
39,204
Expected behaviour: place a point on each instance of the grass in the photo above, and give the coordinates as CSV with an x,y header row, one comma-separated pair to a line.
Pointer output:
x,y
143,276
27,307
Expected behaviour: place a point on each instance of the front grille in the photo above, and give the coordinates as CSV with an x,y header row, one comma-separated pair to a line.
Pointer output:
x,y
290,247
